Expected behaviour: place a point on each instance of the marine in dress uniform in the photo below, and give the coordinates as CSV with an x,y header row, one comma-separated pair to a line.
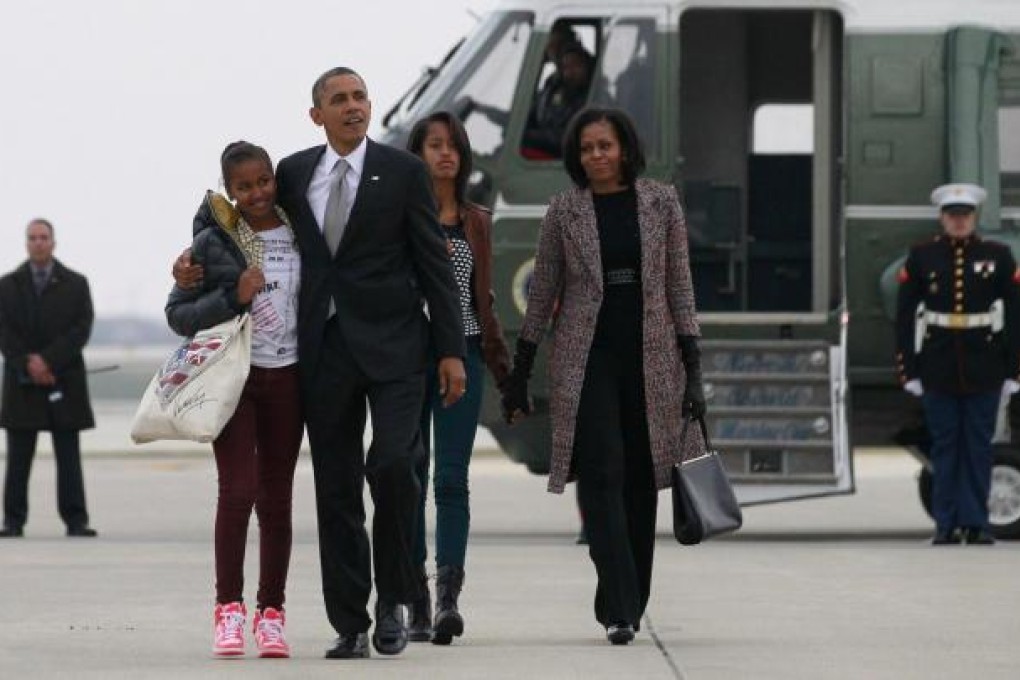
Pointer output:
x,y
958,349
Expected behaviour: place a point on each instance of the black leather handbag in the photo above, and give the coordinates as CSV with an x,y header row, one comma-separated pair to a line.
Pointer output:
x,y
703,500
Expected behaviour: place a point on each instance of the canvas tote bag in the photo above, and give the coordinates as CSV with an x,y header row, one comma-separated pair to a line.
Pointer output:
x,y
196,390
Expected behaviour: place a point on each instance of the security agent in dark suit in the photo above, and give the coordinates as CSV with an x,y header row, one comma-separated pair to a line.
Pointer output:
x,y
958,349
45,321
371,250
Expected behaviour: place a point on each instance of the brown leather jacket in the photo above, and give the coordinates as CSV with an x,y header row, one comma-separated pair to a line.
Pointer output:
x,y
478,230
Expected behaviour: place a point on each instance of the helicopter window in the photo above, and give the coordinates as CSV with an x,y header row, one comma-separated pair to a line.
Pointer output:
x,y
484,100
561,89
783,129
626,77
1009,154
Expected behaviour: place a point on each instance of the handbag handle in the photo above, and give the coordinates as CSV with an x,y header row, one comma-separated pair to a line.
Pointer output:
x,y
704,430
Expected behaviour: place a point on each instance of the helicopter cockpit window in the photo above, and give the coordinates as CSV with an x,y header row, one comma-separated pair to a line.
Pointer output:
x,y
626,77
562,86
484,99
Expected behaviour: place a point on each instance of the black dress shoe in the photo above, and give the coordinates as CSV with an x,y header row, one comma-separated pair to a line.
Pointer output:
x,y
83,531
11,532
349,646
946,537
390,634
978,537
620,633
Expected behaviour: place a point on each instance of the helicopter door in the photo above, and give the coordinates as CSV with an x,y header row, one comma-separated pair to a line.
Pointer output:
x,y
759,137
759,140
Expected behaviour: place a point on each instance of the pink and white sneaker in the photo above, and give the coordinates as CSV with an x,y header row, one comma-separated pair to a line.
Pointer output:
x,y
269,637
228,634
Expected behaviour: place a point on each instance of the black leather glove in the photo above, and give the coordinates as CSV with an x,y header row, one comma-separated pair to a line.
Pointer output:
x,y
514,387
693,405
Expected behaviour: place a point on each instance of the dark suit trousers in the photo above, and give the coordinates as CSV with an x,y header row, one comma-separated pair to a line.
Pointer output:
x,y
616,483
70,483
335,410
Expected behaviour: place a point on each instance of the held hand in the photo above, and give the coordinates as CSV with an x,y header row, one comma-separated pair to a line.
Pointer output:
x,y
452,380
251,282
515,401
913,387
187,275
1009,388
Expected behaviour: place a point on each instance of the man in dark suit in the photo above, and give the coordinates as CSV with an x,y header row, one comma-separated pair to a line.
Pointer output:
x,y
45,321
371,251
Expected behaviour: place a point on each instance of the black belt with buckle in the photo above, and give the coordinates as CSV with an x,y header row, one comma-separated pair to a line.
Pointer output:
x,y
622,277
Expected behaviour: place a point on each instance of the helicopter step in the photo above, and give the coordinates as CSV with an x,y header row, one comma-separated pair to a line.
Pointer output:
x,y
776,410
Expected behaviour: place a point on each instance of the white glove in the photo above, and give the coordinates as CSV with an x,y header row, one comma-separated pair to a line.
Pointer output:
x,y
1010,387
914,387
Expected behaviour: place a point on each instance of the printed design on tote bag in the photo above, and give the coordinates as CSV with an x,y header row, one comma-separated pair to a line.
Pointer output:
x,y
187,362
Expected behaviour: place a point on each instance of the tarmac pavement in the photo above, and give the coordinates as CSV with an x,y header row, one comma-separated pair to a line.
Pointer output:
x,y
841,587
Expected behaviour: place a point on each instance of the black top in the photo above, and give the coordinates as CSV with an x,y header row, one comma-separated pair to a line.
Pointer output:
x,y
619,324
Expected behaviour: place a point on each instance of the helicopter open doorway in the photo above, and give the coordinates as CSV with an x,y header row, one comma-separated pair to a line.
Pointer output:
x,y
760,131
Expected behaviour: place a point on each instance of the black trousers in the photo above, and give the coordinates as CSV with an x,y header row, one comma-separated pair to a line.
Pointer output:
x,y
616,483
335,410
70,483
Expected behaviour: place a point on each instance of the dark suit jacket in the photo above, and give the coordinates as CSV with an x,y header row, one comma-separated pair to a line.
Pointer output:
x,y
56,324
392,255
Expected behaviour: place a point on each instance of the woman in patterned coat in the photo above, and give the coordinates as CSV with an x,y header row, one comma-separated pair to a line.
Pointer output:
x,y
624,367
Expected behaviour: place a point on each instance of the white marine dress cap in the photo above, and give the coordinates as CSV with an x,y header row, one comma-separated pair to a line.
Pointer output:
x,y
958,194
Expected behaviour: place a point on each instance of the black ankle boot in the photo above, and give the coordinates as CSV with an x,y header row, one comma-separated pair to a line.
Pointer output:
x,y
420,628
449,623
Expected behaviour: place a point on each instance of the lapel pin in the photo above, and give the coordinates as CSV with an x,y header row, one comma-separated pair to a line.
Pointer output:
x,y
375,178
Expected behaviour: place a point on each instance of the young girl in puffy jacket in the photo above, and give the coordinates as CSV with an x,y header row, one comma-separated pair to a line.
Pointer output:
x,y
249,262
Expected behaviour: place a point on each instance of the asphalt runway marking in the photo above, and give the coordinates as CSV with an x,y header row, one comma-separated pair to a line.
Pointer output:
x,y
670,661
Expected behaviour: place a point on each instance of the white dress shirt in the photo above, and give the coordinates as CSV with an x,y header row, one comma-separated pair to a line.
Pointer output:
x,y
318,188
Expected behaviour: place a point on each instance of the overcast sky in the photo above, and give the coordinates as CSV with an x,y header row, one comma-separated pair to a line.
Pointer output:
x,y
114,112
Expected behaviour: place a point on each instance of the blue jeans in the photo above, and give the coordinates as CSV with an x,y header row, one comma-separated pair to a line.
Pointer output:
x,y
455,429
961,428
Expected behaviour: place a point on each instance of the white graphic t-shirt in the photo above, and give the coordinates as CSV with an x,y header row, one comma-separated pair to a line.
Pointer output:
x,y
274,308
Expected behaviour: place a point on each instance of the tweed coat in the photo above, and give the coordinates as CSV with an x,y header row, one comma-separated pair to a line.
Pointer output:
x,y
568,271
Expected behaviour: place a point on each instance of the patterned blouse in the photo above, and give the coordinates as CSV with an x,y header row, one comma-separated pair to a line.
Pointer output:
x,y
463,269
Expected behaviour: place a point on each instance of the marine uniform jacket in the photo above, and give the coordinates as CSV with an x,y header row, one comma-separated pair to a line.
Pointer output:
x,y
958,277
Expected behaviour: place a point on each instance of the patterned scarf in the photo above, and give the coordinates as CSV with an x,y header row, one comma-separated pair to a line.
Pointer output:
x,y
251,245
240,231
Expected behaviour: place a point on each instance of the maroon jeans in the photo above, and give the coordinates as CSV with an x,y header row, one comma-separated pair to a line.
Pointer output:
x,y
255,457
